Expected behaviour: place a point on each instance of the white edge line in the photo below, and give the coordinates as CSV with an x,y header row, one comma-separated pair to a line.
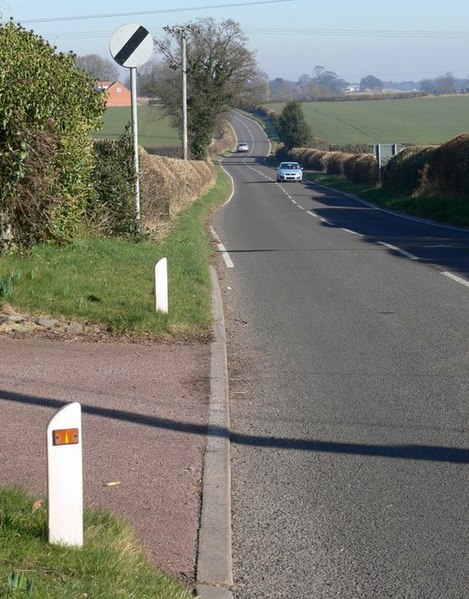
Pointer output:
x,y
351,232
232,185
226,256
221,247
455,278
398,250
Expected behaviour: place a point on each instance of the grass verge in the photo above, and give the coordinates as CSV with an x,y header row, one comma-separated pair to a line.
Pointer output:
x,y
442,210
110,565
110,282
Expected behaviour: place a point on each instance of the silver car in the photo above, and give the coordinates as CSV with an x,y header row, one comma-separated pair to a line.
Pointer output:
x,y
289,171
242,146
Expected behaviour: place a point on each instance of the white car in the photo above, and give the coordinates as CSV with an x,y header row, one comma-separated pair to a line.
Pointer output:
x,y
242,146
289,171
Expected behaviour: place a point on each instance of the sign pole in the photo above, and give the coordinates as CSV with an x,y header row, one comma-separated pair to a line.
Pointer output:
x,y
133,86
131,46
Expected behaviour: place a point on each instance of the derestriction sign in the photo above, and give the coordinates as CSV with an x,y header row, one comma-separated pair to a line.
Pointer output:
x,y
131,45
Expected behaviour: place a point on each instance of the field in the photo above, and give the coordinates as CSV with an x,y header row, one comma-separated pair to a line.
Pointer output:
x,y
430,120
154,129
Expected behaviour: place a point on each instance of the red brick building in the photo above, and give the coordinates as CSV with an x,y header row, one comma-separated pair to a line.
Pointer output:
x,y
116,93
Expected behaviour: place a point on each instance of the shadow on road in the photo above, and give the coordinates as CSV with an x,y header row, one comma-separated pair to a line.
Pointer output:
x,y
432,453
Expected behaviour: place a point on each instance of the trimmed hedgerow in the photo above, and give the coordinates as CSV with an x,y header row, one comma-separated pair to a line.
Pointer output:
x,y
403,173
447,172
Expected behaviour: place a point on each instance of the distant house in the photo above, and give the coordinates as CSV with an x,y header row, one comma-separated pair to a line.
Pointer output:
x,y
116,93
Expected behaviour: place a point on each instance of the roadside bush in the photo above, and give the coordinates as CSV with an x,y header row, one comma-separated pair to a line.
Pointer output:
x,y
403,172
361,168
112,210
167,186
316,160
334,163
298,155
47,112
447,172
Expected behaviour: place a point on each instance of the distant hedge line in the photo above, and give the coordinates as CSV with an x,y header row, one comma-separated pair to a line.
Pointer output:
x,y
415,171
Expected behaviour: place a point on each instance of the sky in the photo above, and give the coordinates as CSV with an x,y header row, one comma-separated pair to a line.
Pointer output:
x,y
396,40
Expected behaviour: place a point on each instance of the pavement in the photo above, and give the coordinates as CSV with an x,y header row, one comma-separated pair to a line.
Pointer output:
x,y
155,424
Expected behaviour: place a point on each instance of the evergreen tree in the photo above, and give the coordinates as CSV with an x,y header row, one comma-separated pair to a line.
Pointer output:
x,y
293,130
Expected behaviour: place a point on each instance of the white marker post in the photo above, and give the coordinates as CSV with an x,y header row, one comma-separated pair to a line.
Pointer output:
x,y
161,286
65,476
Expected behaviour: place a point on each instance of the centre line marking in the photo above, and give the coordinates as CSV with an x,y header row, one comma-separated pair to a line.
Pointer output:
x,y
456,278
398,250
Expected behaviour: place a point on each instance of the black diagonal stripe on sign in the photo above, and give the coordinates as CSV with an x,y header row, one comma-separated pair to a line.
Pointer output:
x,y
131,45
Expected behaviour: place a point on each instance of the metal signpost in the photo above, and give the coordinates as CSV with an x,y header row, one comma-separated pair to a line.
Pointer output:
x,y
131,46
383,153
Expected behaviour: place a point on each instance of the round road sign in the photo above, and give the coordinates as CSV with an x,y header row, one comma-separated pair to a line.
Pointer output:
x,y
131,45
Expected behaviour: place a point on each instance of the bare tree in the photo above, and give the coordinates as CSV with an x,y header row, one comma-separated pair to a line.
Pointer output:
x,y
219,71
98,67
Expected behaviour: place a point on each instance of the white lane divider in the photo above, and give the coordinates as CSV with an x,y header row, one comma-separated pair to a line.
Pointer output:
x,y
351,232
223,250
398,250
450,275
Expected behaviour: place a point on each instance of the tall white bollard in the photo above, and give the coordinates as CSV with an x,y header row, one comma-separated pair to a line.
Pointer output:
x,y
161,286
65,476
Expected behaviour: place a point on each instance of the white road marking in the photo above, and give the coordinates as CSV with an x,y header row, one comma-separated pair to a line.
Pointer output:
x,y
351,232
398,250
223,250
456,278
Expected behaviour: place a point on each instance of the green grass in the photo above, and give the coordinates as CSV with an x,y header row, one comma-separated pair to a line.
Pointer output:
x,y
429,120
110,282
110,565
449,211
154,128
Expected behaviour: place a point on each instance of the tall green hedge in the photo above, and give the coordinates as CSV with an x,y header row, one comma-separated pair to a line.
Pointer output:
x,y
47,111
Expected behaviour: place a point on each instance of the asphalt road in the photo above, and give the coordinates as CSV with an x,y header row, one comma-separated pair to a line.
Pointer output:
x,y
348,352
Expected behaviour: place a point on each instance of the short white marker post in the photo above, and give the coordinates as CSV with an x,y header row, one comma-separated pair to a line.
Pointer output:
x,y
161,286
65,476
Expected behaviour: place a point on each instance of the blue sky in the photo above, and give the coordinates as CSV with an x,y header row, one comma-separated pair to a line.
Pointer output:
x,y
393,40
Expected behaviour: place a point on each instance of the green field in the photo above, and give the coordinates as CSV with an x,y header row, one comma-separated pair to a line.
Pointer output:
x,y
430,120
154,128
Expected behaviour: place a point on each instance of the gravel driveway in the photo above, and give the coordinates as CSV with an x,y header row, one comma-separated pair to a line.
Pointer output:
x,y
144,418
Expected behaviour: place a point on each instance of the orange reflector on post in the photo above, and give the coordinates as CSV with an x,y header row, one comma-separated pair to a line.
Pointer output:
x,y
65,436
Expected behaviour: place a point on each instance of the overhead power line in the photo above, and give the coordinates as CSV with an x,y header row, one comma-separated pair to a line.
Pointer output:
x,y
278,31
149,12
357,32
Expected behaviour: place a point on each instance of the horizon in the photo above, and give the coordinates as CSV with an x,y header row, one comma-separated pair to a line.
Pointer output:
x,y
352,40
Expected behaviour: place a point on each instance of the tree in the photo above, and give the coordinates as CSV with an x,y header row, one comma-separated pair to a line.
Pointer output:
x,y
219,71
281,90
97,67
370,83
327,82
446,84
293,130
